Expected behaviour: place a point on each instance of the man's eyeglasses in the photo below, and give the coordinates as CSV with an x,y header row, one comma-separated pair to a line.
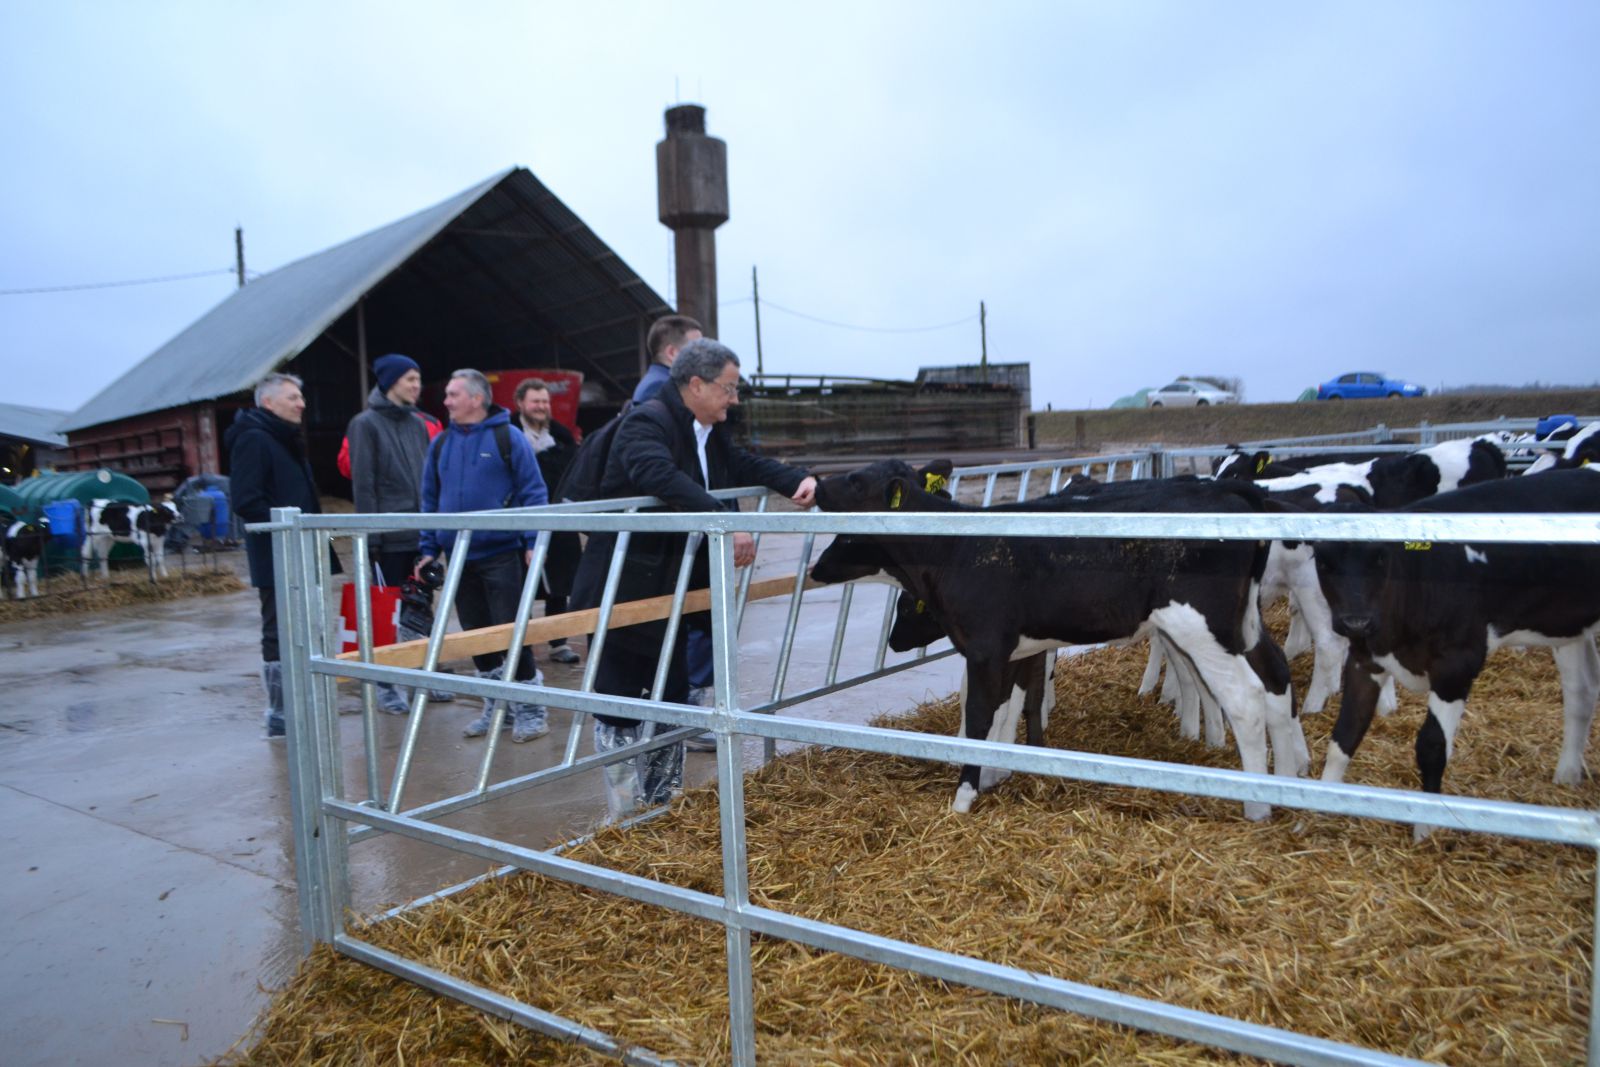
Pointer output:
x,y
731,390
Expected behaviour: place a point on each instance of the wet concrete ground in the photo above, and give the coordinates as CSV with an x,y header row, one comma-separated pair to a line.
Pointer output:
x,y
146,867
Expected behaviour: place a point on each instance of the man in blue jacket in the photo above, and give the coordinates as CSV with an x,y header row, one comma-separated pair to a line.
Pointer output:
x,y
666,339
478,464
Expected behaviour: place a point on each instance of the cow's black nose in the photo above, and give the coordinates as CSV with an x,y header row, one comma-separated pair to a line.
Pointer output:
x,y
1358,625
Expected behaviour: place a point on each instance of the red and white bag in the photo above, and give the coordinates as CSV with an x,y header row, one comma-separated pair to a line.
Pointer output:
x,y
385,616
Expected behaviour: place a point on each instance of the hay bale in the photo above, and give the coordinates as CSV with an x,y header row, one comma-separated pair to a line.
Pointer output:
x,y
1465,948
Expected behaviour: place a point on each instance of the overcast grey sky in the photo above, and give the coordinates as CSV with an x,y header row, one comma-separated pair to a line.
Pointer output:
x,y
1274,191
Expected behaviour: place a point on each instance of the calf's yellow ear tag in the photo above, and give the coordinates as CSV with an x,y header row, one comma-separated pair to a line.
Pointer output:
x,y
1261,463
935,482
894,501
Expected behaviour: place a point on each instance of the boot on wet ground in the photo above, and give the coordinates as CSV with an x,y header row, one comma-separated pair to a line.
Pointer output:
x,y
272,679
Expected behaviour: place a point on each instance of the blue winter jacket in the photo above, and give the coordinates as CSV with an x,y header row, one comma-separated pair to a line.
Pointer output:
x,y
655,376
473,477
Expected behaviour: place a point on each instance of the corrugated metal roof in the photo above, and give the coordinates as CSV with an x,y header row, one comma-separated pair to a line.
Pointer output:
x,y
38,425
506,260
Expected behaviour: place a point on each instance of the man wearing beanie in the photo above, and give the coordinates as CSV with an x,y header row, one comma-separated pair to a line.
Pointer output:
x,y
388,443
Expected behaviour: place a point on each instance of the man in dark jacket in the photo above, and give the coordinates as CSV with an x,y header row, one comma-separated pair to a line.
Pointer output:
x,y
666,339
267,464
478,464
673,447
553,446
388,443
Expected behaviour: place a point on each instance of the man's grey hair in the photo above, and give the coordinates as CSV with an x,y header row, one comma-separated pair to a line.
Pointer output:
x,y
701,358
475,382
273,382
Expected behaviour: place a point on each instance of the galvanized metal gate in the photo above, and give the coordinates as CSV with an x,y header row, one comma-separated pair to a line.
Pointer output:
x,y
328,822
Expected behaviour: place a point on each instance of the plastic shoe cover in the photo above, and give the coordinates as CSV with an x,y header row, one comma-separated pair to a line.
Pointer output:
x,y
393,701
529,721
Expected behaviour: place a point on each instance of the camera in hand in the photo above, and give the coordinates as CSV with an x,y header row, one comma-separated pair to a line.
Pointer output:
x,y
416,598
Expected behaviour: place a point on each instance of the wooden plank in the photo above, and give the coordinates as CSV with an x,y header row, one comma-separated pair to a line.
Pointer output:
x,y
572,624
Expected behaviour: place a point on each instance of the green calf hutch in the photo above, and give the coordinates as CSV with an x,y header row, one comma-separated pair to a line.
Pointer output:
x,y
65,499
12,506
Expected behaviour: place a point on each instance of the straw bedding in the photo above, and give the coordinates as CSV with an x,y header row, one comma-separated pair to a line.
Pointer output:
x,y
68,596
1465,948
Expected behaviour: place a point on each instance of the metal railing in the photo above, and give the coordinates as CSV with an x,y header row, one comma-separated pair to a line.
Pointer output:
x,y
327,822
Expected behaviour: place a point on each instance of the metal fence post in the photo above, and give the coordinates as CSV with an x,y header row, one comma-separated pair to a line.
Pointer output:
x,y
324,712
305,788
730,793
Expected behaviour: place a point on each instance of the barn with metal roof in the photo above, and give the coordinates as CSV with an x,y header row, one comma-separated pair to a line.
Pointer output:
x,y
501,276
28,440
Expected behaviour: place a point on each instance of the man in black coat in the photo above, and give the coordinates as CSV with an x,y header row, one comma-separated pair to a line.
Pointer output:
x,y
268,468
675,447
553,446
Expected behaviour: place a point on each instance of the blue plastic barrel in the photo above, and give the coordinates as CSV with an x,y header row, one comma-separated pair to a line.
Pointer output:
x,y
66,524
218,528
1550,423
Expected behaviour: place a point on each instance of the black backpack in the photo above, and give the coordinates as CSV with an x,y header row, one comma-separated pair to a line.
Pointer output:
x,y
502,440
583,475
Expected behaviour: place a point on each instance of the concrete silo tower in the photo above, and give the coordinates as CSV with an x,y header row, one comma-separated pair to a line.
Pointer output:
x,y
692,200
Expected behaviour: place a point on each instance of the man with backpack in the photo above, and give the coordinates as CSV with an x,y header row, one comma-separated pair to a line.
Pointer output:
x,y
478,464
674,447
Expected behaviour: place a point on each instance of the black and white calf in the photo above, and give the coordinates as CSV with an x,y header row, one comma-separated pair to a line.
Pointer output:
x,y
1009,598
1260,465
25,545
1582,449
1029,682
1430,614
145,525
1387,482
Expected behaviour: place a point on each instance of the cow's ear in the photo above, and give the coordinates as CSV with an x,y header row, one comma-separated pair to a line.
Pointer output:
x,y
1262,459
895,493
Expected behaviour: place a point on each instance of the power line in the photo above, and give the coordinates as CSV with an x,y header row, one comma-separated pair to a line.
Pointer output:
x,y
116,285
869,329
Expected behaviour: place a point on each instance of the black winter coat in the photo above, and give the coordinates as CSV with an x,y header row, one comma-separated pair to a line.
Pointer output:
x,y
268,469
654,455
565,548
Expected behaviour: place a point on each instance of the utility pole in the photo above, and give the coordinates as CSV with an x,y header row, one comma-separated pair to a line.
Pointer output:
x,y
755,294
238,252
983,341
361,345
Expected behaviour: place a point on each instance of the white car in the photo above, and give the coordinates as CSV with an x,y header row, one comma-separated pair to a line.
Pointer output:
x,y
1184,393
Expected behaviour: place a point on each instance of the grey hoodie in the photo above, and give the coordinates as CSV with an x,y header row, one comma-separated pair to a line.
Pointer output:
x,y
388,443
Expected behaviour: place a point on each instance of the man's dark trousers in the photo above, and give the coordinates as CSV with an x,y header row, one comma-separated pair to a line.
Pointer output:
x,y
487,596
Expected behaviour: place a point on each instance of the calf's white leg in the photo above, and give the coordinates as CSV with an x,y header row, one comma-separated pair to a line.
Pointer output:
x,y
1231,681
1579,665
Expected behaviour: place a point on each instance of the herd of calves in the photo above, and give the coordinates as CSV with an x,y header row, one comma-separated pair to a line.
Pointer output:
x,y
1425,613
109,522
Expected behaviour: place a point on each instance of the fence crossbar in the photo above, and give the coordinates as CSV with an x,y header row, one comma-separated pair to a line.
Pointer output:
x,y
487,1000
